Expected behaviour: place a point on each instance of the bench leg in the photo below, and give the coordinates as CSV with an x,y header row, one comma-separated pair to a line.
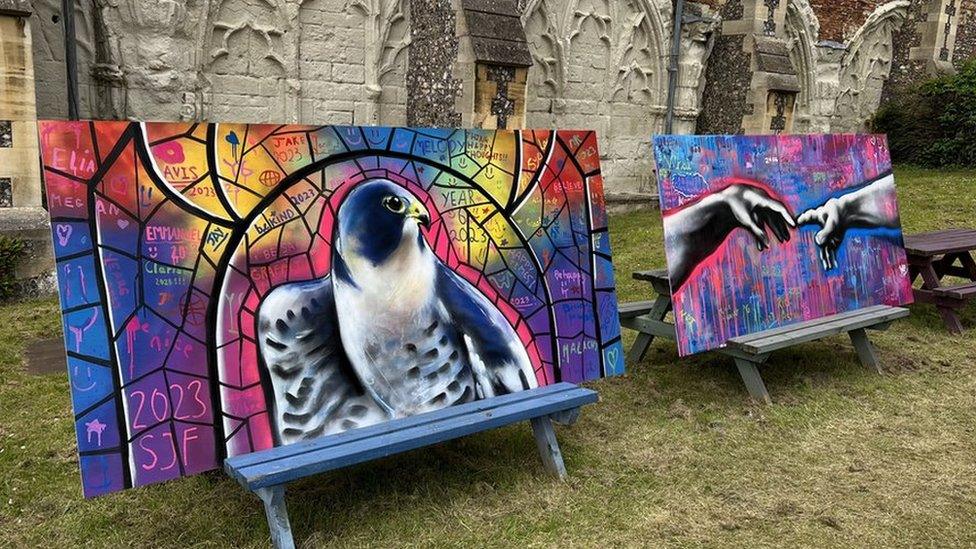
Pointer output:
x,y
752,379
545,439
639,348
865,351
274,507
566,417
643,342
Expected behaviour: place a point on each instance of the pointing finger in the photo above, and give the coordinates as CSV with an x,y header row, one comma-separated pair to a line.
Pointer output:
x,y
808,216
779,208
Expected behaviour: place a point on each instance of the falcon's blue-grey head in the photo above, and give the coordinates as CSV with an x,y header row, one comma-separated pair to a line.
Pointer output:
x,y
375,218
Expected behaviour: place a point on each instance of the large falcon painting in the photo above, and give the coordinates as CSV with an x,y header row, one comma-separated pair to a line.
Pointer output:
x,y
227,288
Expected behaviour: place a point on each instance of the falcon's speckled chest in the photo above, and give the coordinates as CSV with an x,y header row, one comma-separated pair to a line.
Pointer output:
x,y
417,367
398,336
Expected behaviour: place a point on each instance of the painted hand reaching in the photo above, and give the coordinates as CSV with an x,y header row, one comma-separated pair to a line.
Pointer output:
x,y
833,221
698,229
754,210
867,207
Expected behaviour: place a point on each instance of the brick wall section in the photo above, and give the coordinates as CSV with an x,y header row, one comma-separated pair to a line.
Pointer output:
x,y
840,19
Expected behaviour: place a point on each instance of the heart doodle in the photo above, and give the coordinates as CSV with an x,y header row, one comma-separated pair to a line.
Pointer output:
x,y
64,233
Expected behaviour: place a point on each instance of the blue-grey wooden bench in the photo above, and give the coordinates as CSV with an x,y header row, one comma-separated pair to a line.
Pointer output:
x,y
749,352
267,472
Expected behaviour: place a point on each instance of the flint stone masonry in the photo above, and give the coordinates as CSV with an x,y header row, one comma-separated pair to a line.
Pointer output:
x,y
432,88
914,58
846,55
966,33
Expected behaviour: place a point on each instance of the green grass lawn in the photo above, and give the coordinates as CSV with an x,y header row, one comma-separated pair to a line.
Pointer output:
x,y
674,453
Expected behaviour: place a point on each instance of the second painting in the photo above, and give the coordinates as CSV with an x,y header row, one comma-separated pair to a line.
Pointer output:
x,y
768,231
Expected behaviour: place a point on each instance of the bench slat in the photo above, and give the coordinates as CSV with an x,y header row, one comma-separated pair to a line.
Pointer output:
x,y
280,452
941,242
801,333
635,308
816,331
656,274
963,291
336,451
791,328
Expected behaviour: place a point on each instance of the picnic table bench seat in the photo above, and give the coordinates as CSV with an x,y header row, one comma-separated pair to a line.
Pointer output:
x,y
636,308
934,255
752,350
962,291
268,471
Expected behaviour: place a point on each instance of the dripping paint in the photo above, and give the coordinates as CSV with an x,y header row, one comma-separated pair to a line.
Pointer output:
x,y
767,231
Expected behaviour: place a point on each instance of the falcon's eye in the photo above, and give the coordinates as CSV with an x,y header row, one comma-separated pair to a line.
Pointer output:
x,y
395,204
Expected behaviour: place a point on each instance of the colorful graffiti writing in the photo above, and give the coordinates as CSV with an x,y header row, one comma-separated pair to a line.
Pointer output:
x,y
169,237
767,231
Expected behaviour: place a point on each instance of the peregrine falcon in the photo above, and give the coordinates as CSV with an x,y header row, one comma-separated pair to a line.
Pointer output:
x,y
390,332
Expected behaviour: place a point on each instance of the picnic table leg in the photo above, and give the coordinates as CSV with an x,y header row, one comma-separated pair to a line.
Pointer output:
x,y
969,264
930,281
643,342
865,351
545,439
640,347
274,507
752,379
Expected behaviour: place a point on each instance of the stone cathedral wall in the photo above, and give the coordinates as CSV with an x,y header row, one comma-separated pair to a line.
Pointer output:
x,y
745,65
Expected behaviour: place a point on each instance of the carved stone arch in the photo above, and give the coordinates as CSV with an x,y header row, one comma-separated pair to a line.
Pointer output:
x,y
616,84
551,49
866,66
803,29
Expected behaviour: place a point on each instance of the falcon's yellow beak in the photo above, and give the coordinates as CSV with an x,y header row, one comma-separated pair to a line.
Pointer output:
x,y
420,213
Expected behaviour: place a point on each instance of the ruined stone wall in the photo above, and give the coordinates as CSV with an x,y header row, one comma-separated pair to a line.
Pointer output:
x,y
317,61
925,45
745,65
843,79
602,65
47,29
966,34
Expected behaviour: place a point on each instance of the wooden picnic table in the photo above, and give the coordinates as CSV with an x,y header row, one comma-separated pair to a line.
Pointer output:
x,y
750,351
935,255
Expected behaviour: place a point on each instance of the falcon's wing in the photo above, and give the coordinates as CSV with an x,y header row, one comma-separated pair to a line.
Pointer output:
x,y
315,390
498,358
